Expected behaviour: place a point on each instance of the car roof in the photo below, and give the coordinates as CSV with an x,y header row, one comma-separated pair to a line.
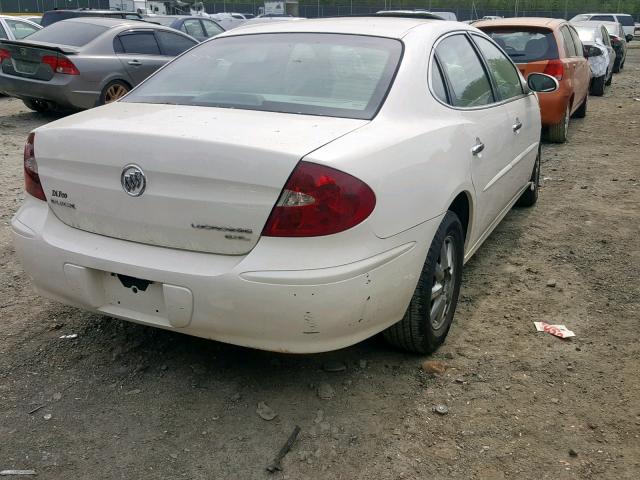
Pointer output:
x,y
375,25
522,22
108,22
615,14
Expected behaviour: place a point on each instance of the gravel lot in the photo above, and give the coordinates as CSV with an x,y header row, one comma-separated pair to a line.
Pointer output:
x,y
127,401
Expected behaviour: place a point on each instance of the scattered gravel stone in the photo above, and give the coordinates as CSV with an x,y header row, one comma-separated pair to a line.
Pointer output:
x,y
325,391
47,416
573,453
554,400
265,412
363,364
440,409
319,417
551,283
57,396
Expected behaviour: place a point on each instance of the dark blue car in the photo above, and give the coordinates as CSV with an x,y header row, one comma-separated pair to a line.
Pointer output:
x,y
200,28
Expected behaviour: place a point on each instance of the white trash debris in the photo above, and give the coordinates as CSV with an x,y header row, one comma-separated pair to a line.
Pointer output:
x,y
557,330
73,335
17,472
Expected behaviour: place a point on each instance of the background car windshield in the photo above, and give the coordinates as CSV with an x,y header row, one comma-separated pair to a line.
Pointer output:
x,y
315,74
525,46
587,34
75,34
626,20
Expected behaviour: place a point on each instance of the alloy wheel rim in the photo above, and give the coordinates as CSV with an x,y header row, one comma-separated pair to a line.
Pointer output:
x,y
566,120
115,92
443,284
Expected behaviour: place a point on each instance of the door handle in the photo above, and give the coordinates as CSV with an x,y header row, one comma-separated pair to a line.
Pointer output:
x,y
517,126
135,63
478,147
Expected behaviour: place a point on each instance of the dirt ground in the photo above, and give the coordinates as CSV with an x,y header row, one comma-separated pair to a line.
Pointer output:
x,y
123,401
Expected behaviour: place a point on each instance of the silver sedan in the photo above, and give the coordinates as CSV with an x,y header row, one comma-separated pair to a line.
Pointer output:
x,y
83,62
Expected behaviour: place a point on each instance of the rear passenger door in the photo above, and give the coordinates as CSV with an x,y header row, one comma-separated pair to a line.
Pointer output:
x,y
211,28
484,124
173,44
139,52
583,70
523,137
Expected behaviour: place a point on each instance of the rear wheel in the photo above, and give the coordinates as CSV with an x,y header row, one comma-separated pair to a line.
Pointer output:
x,y
609,79
597,86
37,105
114,91
581,112
428,318
530,196
616,65
558,133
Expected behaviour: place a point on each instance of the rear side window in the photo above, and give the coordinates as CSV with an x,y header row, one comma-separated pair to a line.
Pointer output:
x,y
605,36
576,42
523,46
437,82
587,34
211,28
141,43
75,34
626,20
504,72
193,28
3,34
469,83
569,47
173,44
21,29
603,18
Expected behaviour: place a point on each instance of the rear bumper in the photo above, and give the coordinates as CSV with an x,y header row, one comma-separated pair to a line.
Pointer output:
x,y
67,91
242,300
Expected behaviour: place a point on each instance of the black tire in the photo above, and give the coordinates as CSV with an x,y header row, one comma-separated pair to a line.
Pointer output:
x,y
37,105
581,112
597,86
616,65
530,197
609,79
416,332
558,133
106,96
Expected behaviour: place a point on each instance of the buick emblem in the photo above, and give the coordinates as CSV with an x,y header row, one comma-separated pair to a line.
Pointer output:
x,y
133,180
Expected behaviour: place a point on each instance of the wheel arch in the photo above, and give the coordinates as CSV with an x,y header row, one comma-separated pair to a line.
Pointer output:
x,y
462,205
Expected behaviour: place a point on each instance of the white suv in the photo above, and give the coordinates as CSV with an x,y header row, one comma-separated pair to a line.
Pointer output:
x,y
626,20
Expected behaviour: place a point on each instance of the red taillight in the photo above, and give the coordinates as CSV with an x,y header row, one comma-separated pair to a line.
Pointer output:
x,y
319,200
60,64
31,178
4,54
615,40
555,68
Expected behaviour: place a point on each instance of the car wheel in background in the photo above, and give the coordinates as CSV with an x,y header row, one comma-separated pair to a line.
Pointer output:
x,y
616,65
597,86
558,133
581,112
530,196
430,313
609,79
37,105
113,91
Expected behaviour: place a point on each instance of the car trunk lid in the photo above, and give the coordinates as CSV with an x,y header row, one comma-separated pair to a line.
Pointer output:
x,y
212,174
26,58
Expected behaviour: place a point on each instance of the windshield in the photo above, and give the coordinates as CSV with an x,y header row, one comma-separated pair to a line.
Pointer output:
x,y
524,46
68,32
304,73
580,18
587,34
626,20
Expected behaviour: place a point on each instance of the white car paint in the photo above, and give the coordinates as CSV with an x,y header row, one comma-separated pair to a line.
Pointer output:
x,y
285,294
8,24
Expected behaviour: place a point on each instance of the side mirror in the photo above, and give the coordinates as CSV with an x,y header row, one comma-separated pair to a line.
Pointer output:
x,y
629,37
591,51
542,83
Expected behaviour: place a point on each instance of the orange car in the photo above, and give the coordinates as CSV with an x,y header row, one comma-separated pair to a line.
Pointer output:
x,y
553,47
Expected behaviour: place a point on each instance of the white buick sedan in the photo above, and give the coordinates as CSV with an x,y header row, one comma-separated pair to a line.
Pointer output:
x,y
297,187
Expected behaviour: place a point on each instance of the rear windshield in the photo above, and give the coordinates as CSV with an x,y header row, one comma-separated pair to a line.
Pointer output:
x,y
626,20
587,34
166,21
580,18
525,46
75,34
304,73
